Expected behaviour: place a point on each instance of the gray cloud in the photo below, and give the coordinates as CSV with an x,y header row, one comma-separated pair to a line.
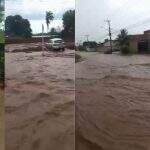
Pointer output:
x,y
122,13
35,10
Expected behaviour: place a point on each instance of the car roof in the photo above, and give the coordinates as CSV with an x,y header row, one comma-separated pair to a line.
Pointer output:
x,y
55,39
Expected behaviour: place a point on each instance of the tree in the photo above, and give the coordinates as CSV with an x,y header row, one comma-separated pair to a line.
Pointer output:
x,y
90,44
53,31
49,17
69,23
17,26
123,41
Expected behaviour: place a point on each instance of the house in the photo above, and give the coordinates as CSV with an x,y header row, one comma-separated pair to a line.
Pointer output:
x,y
141,42
107,46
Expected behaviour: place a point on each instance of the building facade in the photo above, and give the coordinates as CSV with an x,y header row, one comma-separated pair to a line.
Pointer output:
x,y
141,42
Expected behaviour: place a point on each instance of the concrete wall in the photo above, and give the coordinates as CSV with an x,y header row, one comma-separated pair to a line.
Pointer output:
x,y
134,46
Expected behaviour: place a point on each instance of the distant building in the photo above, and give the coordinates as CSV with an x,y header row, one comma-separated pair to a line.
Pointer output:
x,y
141,42
106,44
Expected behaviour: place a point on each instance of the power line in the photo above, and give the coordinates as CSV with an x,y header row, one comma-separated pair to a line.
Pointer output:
x,y
115,32
134,25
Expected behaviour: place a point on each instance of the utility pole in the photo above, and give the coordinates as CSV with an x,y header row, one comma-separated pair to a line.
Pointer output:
x,y
42,40
110,34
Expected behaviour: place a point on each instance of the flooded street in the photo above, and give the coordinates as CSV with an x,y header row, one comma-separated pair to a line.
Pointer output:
x,y
39,100
1,119
113,102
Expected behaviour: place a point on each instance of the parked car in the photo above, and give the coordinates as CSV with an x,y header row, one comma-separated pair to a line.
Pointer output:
x,y
56,44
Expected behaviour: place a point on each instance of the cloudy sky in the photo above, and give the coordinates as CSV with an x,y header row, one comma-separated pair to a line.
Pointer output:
x,y
91,16
34,10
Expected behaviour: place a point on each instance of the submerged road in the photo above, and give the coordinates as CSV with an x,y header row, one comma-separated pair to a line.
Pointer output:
x,y
113,102
39,101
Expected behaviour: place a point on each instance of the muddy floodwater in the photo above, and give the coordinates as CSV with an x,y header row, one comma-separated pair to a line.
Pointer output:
x,y
113,102
1,119
39,100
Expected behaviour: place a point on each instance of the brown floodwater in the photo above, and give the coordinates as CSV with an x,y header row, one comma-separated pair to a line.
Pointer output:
x,y
39,100
2,119
113,102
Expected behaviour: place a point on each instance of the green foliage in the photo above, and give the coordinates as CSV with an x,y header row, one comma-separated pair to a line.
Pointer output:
x,y
125,49
17,26
2,62
69,23
2,36
49,17
123,41
90,44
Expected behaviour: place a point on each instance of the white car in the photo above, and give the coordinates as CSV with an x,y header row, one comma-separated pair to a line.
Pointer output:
x,y
56,44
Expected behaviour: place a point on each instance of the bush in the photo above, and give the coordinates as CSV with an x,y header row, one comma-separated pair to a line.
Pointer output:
x,y
125,49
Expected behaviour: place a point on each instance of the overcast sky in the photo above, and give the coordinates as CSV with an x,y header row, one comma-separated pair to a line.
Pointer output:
x,y
34,10
90,16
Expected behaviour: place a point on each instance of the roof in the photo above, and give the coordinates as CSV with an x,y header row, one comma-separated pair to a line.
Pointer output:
x,y
147,32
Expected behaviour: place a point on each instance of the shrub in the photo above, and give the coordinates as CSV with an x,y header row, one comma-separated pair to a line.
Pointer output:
x,y
125,49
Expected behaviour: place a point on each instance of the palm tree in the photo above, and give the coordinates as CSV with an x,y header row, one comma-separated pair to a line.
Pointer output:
x,y
49,18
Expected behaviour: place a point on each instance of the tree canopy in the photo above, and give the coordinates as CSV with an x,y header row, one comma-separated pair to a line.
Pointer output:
x,y
17,26
90,44
123,40
69,23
